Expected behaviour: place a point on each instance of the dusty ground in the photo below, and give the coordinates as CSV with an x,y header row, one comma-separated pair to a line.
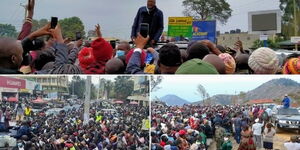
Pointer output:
x,y
279,139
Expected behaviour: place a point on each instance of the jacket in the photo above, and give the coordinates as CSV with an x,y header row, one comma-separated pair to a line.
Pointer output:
x,y
157,25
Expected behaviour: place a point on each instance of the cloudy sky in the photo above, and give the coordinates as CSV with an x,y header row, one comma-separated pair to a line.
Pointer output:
x,y
185,86
116,16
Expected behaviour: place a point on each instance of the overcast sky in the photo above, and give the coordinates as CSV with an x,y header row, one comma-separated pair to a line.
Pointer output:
x,y
116,16
185,86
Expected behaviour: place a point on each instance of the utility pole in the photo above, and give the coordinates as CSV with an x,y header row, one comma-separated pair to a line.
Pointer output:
x,y
98,93
295,23
86,115
25,7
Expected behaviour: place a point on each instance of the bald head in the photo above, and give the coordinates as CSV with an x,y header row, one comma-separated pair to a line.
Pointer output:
x,y
115,66
215,61
11,52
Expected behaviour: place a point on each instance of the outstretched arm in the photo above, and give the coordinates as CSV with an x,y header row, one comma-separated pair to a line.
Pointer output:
x,y
134,64
26,28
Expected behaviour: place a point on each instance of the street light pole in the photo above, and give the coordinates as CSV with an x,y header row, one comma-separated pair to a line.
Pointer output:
x,y
295,23
86,115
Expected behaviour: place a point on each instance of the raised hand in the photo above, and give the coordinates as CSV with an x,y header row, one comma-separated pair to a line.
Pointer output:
x,y
57,34
98,30
30,8
140,41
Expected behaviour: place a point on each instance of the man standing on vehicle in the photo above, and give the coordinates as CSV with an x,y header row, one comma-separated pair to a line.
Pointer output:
x,y
151,15
286,101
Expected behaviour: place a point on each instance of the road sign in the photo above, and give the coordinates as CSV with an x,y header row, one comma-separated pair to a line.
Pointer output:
x,y
204,30
295,39
263,37
180,27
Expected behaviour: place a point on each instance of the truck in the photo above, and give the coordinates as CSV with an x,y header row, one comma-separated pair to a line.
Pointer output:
x,y
286,118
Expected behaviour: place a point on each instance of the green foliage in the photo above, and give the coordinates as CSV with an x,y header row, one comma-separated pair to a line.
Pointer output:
x,y
205,9
288,25
123,87
70,26
272,43
8,30
78,86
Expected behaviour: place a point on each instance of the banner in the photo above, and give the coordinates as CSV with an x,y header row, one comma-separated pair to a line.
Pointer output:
x,y
8,82
204,30
180,27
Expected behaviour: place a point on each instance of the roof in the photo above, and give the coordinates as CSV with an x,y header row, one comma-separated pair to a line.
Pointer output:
x,y
260,101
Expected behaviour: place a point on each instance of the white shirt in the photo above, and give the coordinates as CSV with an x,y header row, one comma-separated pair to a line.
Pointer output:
x,y
257,128
269,111
292,146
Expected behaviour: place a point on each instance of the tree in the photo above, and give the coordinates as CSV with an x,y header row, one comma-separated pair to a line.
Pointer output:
x,y
123,87
108,86
77,85
70,26
272,43
204,9
287,7
202,92
8,30
155,81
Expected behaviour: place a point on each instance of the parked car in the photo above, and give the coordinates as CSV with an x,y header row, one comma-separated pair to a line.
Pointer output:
x,y
287,118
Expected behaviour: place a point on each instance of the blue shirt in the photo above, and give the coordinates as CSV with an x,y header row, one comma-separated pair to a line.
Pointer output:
x,y
286,102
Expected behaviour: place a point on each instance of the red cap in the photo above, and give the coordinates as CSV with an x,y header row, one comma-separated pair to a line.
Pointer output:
x,y
182,132
102,50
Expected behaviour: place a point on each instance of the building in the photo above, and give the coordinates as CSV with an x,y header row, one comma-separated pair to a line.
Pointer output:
x,y
53,87
140,90
261,101
10,88
229,39
17,88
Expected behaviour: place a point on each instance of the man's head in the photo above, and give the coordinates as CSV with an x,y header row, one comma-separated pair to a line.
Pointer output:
x,y
123,46
115,66
169,59
151,4
11,53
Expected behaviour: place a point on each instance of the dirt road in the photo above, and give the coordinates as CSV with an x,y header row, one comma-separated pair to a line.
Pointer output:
x,y
279,140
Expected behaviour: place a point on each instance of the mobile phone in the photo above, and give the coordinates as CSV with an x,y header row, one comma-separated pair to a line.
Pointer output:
x,y
144,29
54,21
149,58
113,44
78,36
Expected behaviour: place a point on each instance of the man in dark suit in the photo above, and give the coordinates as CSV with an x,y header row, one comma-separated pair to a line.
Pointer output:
x,y
151,15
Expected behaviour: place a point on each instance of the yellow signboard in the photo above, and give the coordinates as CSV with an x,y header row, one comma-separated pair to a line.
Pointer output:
x,y
186,21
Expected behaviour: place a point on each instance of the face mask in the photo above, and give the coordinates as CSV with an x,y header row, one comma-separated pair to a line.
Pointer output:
x,y
225,139
120,53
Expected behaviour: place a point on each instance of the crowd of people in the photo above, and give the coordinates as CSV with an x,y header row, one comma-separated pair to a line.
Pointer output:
x,y
199,127
115,126
30,54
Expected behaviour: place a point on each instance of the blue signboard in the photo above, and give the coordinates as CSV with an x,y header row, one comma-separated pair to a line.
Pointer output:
x,y
204,30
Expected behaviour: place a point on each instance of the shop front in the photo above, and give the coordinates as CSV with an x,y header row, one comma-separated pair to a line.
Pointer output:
x,y
10,88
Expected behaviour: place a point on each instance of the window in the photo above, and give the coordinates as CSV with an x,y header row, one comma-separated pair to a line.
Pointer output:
x,y
45,80
53,80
